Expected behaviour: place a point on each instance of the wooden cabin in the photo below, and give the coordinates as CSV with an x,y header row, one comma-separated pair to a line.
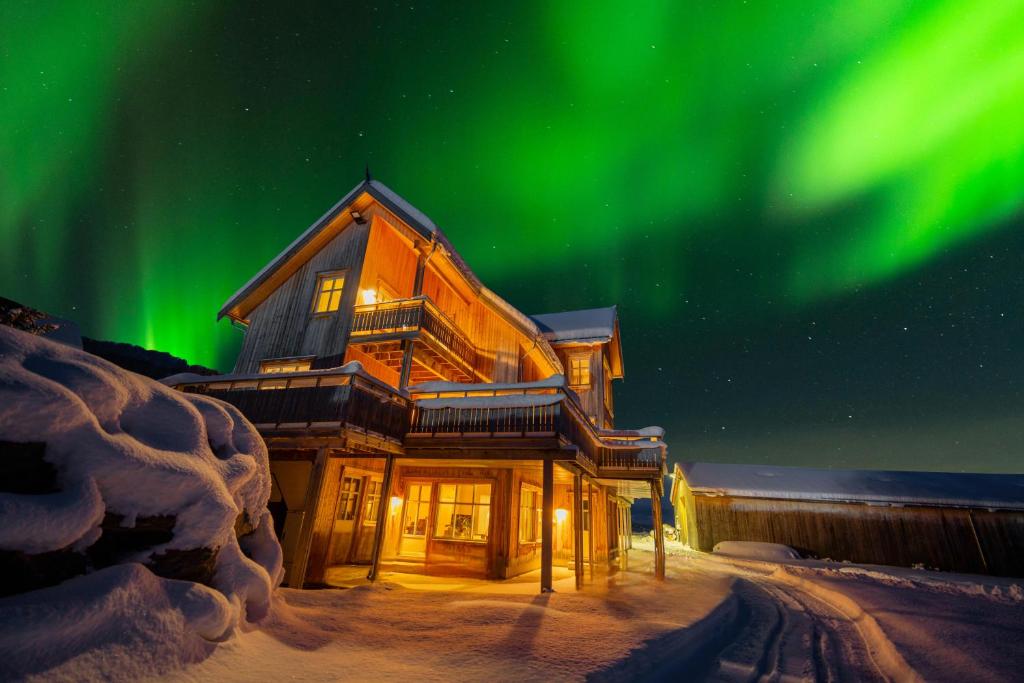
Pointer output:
x,y
417,422
938,520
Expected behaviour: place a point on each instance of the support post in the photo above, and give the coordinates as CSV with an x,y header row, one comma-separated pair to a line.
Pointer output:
x,y
316,487
659,530
547,531
383,508
407,347
590,529
577,527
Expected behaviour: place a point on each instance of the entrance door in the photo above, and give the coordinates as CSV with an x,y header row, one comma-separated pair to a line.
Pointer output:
x,y
346,519
414,521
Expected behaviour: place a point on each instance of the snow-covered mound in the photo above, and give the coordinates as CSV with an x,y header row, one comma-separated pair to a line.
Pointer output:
x,y
102,467
755,550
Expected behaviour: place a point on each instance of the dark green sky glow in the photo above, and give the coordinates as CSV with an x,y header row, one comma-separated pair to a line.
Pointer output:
x,y
809,212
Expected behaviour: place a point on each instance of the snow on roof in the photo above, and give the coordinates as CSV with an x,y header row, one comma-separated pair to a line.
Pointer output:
x,y
589,324
351,368
514,401
956,489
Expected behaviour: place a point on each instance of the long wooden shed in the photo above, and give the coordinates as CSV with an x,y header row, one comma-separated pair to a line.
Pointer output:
x,y
960,522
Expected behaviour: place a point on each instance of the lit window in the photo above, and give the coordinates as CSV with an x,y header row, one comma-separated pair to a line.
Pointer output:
x,y
531,512
348,502
372,502
269,367
328,293
417,507
463,512
579,371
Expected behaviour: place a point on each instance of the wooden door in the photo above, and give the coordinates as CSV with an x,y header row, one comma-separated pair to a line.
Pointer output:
x,y
362,549
346,518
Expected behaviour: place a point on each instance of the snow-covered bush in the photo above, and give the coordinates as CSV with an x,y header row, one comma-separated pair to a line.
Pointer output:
x,y
101,468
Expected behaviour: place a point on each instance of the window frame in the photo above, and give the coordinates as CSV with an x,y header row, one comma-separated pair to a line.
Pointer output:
x,y
318,291
536,513
287,361
582,358
436,533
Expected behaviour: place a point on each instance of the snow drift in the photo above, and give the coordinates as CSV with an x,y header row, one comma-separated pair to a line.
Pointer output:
x,y
102,467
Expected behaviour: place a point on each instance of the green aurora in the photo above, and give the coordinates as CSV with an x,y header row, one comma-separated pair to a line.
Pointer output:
x,y
737,176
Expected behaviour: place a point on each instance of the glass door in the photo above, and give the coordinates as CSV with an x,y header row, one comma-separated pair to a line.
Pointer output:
x,y
415,521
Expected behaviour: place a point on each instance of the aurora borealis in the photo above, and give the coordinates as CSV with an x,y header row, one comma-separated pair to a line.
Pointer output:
x,y
809,213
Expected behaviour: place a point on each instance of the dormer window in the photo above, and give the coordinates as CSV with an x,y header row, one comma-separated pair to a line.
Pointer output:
x,y
579,372
328,292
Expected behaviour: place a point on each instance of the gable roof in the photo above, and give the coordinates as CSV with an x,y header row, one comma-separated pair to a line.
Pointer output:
x,y
387,197
234,307
587,326
1005,491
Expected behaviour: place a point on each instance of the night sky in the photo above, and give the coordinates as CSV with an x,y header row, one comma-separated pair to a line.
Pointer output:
x,y
809,213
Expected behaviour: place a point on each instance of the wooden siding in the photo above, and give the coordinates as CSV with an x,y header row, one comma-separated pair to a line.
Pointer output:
x,y
283,325
591,398
950,539
390,259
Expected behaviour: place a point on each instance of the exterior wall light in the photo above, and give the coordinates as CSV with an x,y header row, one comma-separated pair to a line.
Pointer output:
x,y
561,514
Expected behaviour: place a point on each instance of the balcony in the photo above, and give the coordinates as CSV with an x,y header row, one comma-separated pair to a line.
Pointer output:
x,y
537,416
444,352
318,402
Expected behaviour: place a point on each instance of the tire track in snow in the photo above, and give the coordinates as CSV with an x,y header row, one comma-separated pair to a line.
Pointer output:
x,y
796,630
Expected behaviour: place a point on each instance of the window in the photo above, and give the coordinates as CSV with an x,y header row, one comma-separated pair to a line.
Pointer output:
x,y
285,365
328,293
586,514
372,502
579,371
463,511
348,501
531,513
417,507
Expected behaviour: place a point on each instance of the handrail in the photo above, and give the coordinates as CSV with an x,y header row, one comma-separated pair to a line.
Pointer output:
x,y
414,313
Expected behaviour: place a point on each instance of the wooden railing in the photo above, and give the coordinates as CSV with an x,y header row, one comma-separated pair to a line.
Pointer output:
x,y
563,418
303,401
417,314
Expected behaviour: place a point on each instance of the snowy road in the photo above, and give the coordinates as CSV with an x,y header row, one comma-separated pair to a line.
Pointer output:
x,y
788,634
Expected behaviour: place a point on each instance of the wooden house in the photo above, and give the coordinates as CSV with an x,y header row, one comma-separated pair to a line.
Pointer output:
x,y
418,422
939,520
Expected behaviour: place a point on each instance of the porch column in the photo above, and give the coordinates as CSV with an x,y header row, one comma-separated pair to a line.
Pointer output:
x,y
547,532
590,531
407,347
313,495
577,527
383,508
659,530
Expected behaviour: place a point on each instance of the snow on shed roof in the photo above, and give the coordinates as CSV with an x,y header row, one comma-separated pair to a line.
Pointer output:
x,y
588,324
955,489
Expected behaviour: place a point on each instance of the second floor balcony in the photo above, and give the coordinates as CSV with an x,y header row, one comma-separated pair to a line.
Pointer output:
x,y
443,350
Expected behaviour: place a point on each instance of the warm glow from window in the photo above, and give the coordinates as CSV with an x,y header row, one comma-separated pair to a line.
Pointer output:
x,y
530,513
328,293
463,512
561,514
396,502
368,296
579,371
276,366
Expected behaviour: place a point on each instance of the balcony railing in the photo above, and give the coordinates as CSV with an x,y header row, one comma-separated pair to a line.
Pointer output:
x,y
542,411
406,318
310,401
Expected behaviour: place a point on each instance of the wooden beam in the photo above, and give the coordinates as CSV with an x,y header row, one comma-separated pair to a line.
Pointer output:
x,y
315,491
577,527
383,507
547,532
409,347
590,531
659,531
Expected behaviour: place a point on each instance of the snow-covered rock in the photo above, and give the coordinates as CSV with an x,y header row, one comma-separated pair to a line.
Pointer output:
x,y
115,475
755,550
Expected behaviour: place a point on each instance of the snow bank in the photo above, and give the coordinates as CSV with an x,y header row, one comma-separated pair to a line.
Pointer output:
x,y
130,453
771,552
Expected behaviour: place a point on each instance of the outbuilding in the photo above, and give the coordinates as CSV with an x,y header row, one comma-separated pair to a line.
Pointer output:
x,y
960,522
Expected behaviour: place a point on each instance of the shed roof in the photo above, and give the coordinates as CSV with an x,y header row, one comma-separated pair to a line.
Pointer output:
x,y
948,489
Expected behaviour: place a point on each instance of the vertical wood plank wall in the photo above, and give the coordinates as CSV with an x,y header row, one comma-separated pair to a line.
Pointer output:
x,y
283,325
